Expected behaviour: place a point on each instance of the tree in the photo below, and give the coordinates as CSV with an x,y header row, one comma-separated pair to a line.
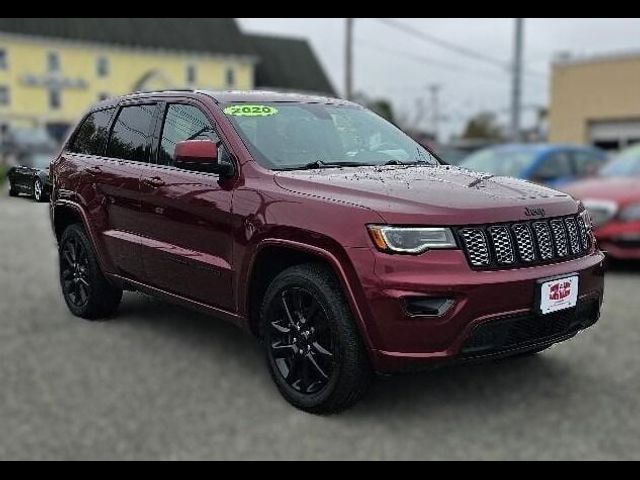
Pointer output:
x,y
383,108
483,126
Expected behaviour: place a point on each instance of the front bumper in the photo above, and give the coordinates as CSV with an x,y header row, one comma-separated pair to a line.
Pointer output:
x,y
399,341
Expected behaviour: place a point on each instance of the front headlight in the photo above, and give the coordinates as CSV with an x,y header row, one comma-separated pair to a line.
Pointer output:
x,y
630,213
410,239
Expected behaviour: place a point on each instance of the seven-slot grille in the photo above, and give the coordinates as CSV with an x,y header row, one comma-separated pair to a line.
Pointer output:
x,y
526,243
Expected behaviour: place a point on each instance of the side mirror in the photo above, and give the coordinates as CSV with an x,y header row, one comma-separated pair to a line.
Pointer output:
x,y
200,156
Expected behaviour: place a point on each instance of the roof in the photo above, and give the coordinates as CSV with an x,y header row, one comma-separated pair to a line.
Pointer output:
x,y
210,35
257,96
537,147
290,64
228,96
567,60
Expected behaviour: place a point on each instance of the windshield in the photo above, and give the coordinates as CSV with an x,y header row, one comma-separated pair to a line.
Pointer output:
x,y
627,163
296,136
40,161
501,162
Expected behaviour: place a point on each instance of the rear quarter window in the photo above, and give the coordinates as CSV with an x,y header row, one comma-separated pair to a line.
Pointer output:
x,y
91,137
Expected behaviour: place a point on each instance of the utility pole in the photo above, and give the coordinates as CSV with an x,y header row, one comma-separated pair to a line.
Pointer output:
x,y
348,59
435,109
516,87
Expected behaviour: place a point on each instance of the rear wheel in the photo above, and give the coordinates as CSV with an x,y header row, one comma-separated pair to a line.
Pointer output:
x,y
12,192
314,351
38,191
86,291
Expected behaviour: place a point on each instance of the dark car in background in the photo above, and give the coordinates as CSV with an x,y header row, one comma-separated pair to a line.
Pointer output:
x,y
547,164
613,200
31,176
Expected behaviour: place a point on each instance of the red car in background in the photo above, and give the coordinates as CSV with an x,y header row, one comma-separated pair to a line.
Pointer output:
x,y
613,200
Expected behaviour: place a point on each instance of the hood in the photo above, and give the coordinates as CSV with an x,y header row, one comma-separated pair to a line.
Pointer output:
x,y
436,195
621,190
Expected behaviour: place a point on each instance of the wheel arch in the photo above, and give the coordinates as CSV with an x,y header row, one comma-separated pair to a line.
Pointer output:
x,y
273,256
65,213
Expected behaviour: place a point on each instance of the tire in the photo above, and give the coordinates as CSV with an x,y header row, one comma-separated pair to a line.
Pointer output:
x,y
12,192
314,352
38,191
86,291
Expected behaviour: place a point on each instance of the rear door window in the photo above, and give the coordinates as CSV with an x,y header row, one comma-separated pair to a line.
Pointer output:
x,y
586,163
555,165
91,138
131,134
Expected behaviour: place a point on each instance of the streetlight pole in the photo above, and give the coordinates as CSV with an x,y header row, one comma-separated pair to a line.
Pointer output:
x,y
516,87
348,59
435,110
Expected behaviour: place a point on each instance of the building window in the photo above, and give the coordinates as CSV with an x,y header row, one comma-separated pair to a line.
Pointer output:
x,y
53,62
55,99
4,96
3,59
230,77
102,66
103,96
192,74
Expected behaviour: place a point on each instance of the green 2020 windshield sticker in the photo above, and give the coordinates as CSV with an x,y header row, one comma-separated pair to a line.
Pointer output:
x,y
250,111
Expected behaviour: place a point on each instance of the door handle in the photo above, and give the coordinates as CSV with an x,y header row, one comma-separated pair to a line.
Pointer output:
x,y
155,182
94,171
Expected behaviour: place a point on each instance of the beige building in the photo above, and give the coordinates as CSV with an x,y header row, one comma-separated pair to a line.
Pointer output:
x,y
596,101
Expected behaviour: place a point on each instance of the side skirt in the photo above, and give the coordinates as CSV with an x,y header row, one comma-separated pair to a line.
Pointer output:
x,y
233,318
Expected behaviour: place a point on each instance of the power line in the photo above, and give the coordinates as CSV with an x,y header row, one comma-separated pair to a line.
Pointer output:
x,y
442,43
431,62
459,49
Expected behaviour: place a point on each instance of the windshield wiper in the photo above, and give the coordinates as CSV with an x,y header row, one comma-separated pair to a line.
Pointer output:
x,y
322,164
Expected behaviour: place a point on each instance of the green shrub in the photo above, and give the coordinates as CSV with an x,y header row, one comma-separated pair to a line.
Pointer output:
x,y
3,173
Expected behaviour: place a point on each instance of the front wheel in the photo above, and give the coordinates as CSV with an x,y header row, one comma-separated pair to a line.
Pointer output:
x,y
314,351
86,291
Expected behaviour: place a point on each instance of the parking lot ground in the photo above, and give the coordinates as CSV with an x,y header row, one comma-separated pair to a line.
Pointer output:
x,y
161,382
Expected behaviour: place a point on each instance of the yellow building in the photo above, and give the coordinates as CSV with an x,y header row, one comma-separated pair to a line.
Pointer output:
x,y
596,101
51,70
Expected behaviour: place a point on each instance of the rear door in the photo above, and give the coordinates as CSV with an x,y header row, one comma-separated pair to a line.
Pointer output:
x,y
186,216
117,175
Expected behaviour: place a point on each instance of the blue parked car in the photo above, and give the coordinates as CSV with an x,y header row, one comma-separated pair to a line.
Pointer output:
x,y
548,164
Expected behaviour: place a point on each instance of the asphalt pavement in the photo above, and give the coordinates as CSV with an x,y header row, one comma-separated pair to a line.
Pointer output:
x,y
162,382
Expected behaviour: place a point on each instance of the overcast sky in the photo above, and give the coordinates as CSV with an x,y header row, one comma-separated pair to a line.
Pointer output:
x,y
392,64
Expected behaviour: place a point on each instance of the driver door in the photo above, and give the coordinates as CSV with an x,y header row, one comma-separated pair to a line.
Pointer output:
x,y
186,215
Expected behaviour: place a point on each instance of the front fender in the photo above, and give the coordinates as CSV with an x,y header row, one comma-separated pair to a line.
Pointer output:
x,y
326,250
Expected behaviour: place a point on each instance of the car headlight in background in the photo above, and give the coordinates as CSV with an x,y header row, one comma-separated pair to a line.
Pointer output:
x,y
411,239
630,213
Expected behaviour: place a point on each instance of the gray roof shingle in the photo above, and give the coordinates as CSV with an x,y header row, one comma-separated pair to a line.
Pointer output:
x,y
289,63
210,35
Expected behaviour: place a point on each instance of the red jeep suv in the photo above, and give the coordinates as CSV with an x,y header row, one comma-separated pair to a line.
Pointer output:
x,y
343,245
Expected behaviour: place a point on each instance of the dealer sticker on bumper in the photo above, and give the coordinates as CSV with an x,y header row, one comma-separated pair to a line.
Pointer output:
x,y
559,294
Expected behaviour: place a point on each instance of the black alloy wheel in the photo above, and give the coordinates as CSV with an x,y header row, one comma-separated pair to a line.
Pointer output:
x,y
87,292
74,268
314,351
300,342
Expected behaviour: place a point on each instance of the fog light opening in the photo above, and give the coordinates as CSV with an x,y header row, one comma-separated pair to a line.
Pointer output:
x,y
428,306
